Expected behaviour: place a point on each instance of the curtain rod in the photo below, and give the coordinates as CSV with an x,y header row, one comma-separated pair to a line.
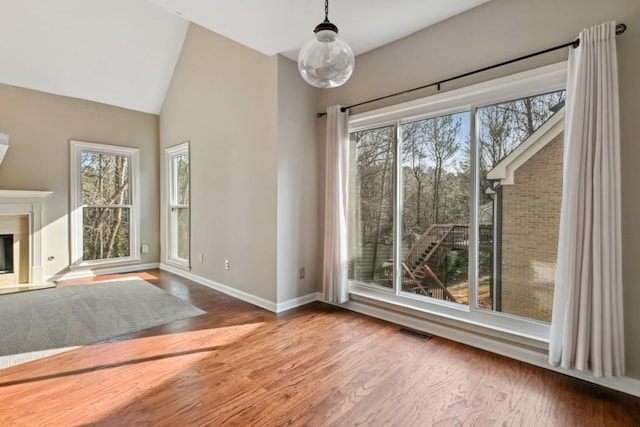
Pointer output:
x,y
620,28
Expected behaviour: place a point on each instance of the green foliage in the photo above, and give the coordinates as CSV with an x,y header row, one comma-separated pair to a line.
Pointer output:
x,y
484,263
457,266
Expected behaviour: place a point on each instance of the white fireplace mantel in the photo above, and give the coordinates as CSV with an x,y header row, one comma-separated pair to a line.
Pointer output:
x,y
31,203
22,195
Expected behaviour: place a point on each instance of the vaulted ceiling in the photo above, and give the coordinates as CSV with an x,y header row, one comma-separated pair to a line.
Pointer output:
x,y
123,52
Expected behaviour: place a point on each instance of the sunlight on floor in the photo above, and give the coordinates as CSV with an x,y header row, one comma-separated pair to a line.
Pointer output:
x,y
154,361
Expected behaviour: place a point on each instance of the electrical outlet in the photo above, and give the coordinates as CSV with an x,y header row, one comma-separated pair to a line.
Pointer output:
x,y
226,264
302,273
201,258
144,249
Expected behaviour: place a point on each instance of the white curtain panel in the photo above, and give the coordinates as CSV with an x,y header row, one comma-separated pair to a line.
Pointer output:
x,y
334,270
587,324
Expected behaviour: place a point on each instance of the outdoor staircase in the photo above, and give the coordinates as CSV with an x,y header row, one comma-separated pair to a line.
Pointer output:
x,y
427,254
427,257
422,262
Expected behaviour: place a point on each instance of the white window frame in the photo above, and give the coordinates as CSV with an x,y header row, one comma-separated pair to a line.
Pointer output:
x,y
170,185
77,148
545,79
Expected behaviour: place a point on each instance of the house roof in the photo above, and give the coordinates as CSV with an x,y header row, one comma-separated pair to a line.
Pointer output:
x,y
123,52
504,170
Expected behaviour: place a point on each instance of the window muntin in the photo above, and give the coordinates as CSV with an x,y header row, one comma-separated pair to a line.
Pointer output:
x,y
178,172
479,310
104,204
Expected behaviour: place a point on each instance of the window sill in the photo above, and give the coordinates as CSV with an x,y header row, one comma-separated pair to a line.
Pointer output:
x,y
178,264
104,264
451,316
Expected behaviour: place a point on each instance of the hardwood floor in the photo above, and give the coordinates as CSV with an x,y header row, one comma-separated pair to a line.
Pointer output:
x,y
318,365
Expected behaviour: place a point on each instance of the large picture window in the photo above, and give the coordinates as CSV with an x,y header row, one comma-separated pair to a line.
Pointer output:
x,y
178,196
455,202
104,217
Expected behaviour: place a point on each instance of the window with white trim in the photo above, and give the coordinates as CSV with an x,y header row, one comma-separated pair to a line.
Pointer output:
x,y
454,202
178,222
104,204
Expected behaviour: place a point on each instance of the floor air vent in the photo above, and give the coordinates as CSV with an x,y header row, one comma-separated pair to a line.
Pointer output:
x,y
414,334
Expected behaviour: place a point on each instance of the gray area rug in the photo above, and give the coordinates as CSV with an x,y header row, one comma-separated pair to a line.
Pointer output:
x,y
39,323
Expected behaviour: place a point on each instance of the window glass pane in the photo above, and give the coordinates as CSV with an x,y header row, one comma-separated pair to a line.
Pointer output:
x,y
435,207
181,177
371,206
178,219
180,224
105,233
519,205
104,179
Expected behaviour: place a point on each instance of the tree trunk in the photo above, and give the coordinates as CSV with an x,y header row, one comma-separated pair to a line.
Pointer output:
x,y
436,191
379,219
120,180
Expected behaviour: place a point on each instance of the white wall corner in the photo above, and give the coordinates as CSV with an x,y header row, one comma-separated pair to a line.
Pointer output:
x,y
298,302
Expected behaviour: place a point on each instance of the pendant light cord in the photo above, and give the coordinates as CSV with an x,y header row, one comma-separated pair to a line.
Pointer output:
x,y
326,10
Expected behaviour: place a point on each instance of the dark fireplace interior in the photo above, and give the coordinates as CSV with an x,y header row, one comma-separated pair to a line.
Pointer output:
x,y
6,253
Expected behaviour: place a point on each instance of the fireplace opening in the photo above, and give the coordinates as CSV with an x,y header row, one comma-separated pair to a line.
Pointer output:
x,y
6,253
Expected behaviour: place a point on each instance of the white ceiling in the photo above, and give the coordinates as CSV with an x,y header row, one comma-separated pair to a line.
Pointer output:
x,y
117,52
123,52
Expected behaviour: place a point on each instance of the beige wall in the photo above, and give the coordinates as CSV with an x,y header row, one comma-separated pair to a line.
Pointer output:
x,y
501,30
251,126
223,100
297,184
40,126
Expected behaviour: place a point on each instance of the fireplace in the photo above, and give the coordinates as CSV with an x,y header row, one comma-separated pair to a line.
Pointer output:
x,y
6,253
21,224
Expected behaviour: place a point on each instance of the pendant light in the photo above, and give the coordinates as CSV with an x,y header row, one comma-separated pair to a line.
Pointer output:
x,y
326,60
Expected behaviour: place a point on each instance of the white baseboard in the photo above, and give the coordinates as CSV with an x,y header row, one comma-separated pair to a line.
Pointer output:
x,y
528,355
297,302
241,295
84,274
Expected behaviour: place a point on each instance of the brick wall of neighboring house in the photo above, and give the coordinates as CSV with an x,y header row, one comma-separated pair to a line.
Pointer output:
x,y
531,218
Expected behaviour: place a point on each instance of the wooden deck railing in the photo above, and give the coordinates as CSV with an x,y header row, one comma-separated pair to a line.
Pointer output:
x,y
431,250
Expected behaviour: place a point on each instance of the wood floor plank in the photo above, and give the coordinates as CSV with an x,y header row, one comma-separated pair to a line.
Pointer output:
x,y
239,365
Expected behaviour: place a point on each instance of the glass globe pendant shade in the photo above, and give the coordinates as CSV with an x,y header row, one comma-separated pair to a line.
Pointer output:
x,y
326,60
